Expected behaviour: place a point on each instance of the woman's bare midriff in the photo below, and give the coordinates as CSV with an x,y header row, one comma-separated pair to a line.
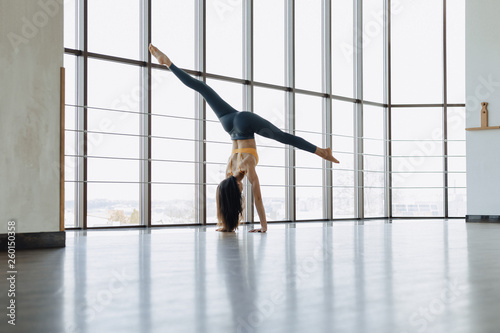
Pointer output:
x,y
247,160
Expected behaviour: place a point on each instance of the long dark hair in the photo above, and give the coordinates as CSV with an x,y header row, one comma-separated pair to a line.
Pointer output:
x,y
229,204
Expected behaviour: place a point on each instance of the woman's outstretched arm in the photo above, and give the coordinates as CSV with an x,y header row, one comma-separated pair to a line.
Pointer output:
x,y
259,204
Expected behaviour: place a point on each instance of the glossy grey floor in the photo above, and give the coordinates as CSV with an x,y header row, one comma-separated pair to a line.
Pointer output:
x,y
372,276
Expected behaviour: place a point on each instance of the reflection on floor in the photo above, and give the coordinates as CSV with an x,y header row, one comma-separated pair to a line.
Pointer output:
x,y
376,276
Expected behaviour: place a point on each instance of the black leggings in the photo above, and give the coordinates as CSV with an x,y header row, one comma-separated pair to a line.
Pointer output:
x,y
240,125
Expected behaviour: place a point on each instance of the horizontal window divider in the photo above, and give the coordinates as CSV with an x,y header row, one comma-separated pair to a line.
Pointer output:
x,y
310,93
270,86
432,172
422,188
116,59
346,170
433,156
417,140
382,105
137,113
181,117
373,139
373,171
372,155
140,113
430,105
309,132
342,136
342,152
112,182
73,51
133,159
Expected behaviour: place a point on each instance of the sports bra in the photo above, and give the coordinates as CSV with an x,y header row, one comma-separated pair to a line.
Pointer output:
x,y
252,151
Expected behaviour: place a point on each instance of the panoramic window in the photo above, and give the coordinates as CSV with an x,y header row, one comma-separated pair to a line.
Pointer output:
x,y
385,87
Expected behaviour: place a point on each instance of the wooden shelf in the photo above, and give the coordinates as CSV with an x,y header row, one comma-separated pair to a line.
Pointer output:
x,y
484,120
482,128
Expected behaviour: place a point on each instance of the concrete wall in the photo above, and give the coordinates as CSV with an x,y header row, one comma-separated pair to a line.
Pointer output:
x,y
483,85
31,53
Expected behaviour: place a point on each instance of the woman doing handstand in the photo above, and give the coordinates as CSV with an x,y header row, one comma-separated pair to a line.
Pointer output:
x,y
241,126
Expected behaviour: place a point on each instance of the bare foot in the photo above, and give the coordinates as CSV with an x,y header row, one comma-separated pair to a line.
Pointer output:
x,y
326,153
160,56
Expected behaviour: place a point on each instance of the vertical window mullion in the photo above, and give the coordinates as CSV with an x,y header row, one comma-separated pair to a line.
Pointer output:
x,y
290,106
200,114
445,116
82,114
145,120
388,110
248,88
326,41
358,116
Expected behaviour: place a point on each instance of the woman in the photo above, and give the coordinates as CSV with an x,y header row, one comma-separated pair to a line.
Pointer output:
x,y
241,126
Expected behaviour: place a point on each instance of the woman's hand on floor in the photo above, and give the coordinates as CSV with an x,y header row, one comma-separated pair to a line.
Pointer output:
x,y
258,230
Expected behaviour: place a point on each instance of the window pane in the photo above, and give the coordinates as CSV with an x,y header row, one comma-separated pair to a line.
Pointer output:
x,y
173,172
308,45
409,165
69,204
343,202
417,124
70,24
224,38
113,122
71,113
269,41
272,182
373,142
116,87
373,145
270,104
233,94
456,124
113,85
373,50
309,176
455,35
342,48
115,170
374,202
343,147
116,21
173,27
112,145
70,79
457,179
172,122
342,118
418,179
457,202
417,57
172,204
112,205
417,148
417,202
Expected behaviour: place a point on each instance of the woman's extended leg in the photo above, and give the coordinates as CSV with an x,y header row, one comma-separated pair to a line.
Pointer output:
x,y
220,107
265,128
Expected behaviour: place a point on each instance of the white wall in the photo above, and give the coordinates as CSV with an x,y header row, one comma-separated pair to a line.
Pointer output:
x,y
483,85
31,53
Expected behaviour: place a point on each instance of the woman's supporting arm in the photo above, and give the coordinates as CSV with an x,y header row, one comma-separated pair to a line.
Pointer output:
x,y
259,204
